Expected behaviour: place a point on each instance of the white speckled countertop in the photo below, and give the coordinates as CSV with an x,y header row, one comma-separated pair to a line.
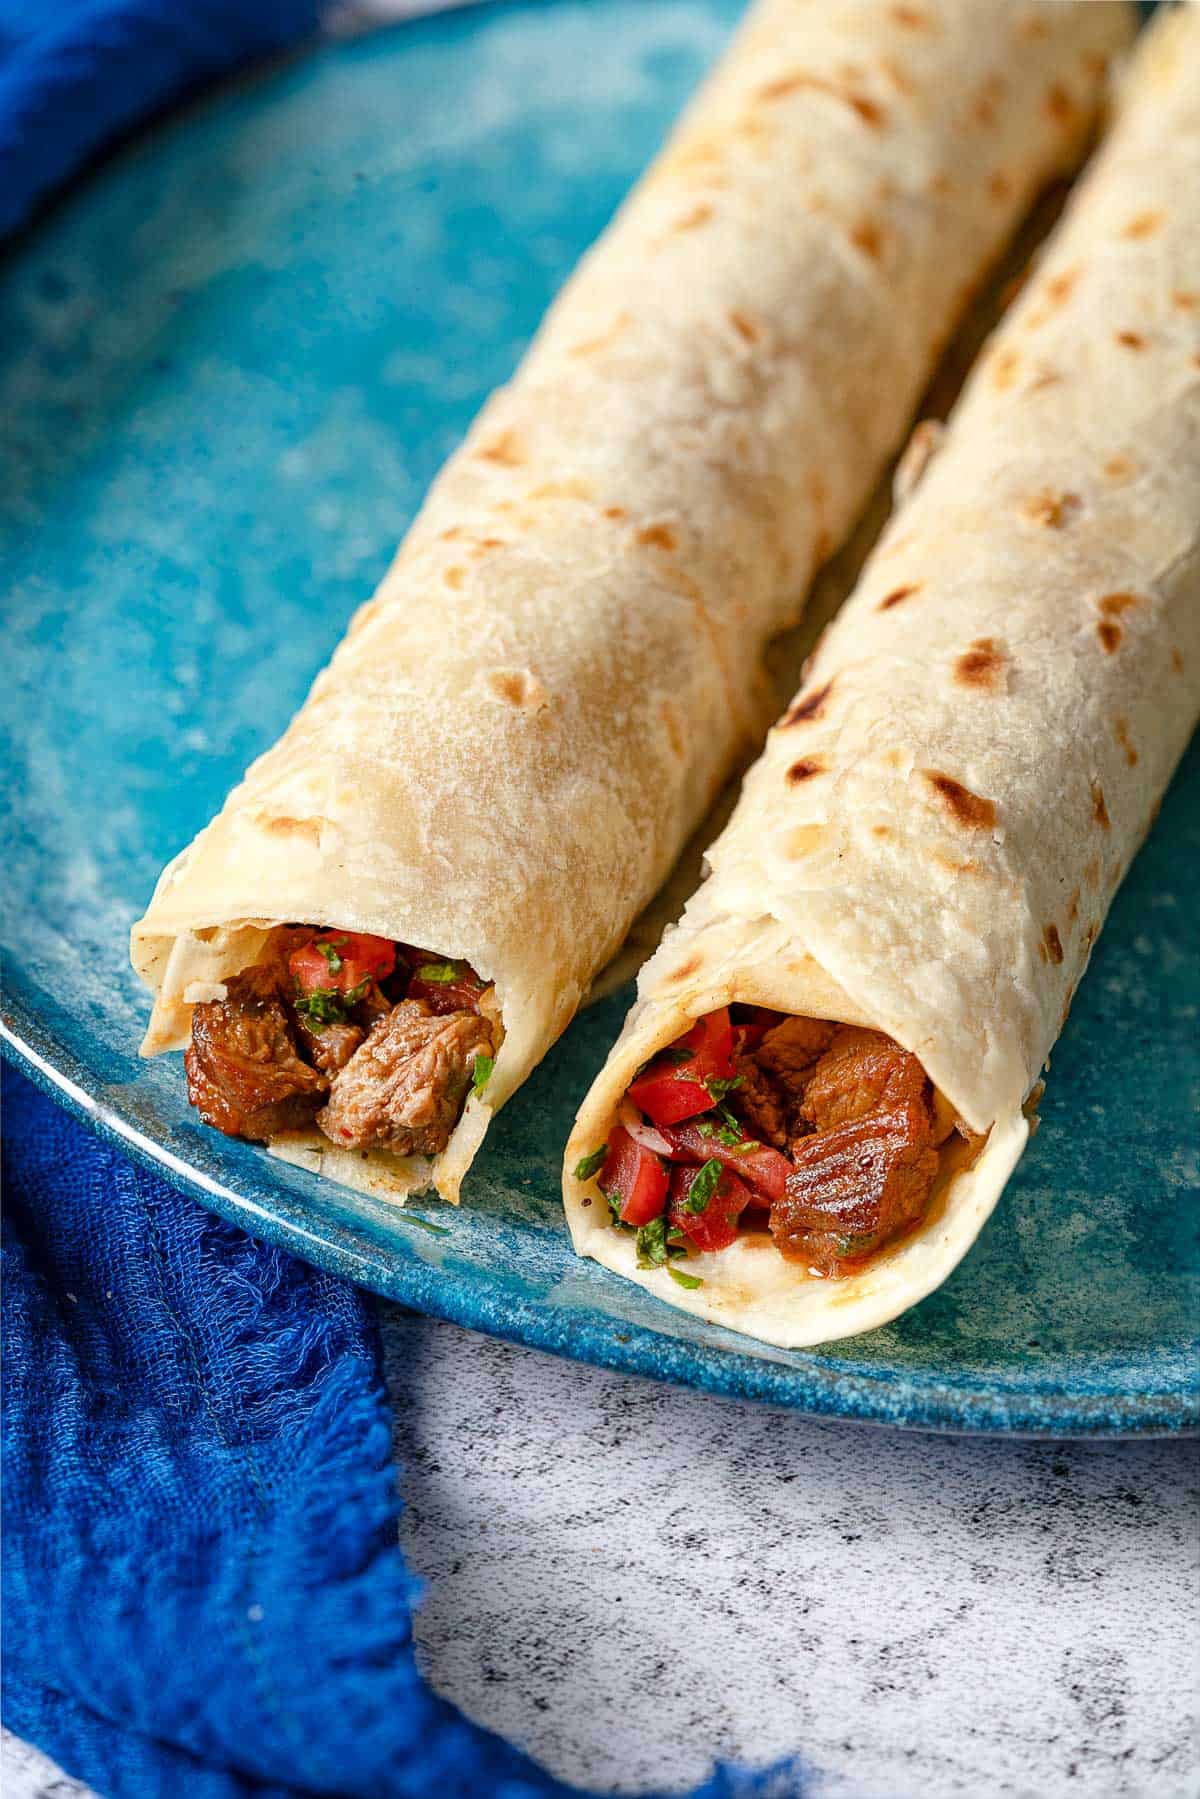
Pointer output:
x,y
629,1580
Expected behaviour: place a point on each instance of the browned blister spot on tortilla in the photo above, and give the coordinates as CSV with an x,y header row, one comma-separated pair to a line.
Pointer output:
x,y
1005,367
451,534
982,665
1059,104
898,75
1073,907
1055,293
455,576
518,687
867,237
572,489
279,825
1053,943
673,721
1000,185
881,830
617,512
1144,224
1114,604
965,807
603,339
805,769
898,596
744,326
807,707
1051,509
505,450
1093,872
1099,807
868,110
941,183
1185,299
699,214
1177,659
1130,340
658,537
684,969
1110,636
1120,468
911,18
1121,728
1031,25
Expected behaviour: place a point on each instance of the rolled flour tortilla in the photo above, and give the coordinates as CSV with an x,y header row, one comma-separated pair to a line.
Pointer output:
x,y
931,840
520,729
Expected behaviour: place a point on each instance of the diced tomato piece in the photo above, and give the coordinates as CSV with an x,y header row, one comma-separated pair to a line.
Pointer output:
x,y
716,1226
674,1086
459,995
636,1176
764,1168
347,960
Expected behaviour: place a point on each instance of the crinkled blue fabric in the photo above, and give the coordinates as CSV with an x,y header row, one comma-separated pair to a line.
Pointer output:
x,y
204,1593
75,74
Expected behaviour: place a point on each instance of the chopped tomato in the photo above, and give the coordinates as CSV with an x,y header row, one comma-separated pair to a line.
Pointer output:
x,y
636,1177
676,1084
339,961
715,1225
764,1168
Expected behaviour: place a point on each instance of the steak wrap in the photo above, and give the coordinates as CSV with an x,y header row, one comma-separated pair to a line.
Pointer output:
x,y
520,729
859,1000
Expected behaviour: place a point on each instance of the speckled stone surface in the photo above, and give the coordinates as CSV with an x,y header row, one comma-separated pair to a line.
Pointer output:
x,y
629,1580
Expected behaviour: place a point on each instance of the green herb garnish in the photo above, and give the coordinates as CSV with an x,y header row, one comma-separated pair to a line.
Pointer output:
x,y
654,1246
684,1280
440,973
590,1165
704,1185
676,1055
481,1073
321,1007
331,956
614,1202
718,1087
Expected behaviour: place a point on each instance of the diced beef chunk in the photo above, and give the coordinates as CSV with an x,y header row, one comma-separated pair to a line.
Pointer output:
x,y
403,1089
855,1187
244,1075
774,1077
790,1052
328,1046
863,1072
759,1103
865,1159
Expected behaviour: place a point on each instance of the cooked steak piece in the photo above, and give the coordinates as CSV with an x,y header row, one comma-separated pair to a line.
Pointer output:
x,y
403,1090
790,1052
244,1075
863,1072
758,1102
328,1046
864,1156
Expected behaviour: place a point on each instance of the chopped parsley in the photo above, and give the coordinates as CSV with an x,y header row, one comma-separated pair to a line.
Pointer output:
x,y
727,1131
704,1185
615,1202
440,973
676,1055
325,1005
719,1087
654,1246
329,951
590,1165
684,1280
481,1073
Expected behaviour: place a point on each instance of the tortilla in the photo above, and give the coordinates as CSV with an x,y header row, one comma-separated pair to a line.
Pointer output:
x,y
520,729
931,840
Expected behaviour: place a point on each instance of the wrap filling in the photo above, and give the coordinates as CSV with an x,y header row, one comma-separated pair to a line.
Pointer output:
x,y
829,1136
375,1042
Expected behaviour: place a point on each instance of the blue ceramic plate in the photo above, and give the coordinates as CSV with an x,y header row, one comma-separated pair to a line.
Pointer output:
x,y
228,369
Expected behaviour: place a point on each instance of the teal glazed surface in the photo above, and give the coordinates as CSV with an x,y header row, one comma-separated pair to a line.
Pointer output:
x,y
229,366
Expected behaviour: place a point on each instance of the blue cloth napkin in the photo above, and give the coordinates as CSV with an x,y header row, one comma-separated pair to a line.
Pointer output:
x,y
74,74
204,1593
